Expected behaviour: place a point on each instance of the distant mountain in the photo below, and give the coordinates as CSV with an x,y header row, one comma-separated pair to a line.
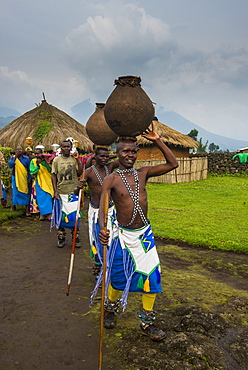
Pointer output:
x,y
181,124
7,115
5,121
6,112
82,111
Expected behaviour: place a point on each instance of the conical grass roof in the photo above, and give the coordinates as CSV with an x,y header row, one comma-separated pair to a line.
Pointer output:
x,y
169,136
46,125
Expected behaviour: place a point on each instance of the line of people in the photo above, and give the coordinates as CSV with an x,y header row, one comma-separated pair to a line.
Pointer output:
x,y
133,262
31,183
36,183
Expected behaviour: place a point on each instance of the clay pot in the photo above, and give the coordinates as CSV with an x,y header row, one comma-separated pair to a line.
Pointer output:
x,y
97,129
128,110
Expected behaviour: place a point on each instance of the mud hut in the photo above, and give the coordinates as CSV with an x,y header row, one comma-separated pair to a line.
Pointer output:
x,y
179,144
46,125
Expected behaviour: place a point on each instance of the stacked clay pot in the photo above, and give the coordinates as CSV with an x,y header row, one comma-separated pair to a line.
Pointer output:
x,y
97,129
129,110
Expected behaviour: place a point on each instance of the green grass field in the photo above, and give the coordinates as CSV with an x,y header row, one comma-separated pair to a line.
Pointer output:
x,y
210,213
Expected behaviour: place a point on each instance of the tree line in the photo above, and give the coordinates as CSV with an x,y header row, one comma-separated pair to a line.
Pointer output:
x,y
203,148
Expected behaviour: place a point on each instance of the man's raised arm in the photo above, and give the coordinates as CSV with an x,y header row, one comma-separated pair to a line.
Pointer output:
x,y
171,162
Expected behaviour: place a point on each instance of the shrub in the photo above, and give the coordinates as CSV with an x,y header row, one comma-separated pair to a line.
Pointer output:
x,y
5,172
42,130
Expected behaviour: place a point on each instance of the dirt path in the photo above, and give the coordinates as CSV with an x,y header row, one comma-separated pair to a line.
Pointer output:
x,y
204,308
41,327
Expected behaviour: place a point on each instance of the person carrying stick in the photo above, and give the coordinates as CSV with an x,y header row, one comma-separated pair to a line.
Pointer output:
x,y
133,239
94,176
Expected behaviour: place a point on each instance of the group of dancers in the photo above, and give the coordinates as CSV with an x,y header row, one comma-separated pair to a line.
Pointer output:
x,y
132,260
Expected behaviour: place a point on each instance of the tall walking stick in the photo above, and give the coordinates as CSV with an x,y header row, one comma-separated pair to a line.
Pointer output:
x,y
74,237
104,267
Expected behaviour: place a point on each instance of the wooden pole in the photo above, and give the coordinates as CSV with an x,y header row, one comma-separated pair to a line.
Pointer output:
x,y
104,267
74,238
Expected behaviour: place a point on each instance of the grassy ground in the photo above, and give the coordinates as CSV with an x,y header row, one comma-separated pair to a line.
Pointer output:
x,y
7,214
211,212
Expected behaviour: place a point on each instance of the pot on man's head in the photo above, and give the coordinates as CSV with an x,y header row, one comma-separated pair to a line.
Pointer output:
x,y
128,110
97,129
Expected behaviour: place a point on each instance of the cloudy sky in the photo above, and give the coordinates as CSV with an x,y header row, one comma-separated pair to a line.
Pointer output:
x,y
192,55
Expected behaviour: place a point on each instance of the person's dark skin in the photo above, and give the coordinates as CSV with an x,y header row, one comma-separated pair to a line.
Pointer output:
x,y
65,152
38,156
18,152
101,160
115,188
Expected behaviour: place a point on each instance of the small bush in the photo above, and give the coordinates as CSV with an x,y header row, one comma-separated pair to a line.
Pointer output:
x,y
5,172
42,130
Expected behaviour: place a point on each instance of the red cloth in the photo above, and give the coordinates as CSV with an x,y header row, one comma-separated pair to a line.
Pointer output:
x,y
49,157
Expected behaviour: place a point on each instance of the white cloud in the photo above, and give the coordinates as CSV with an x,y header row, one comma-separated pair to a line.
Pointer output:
x,y
191,56
28,91
14,76
115,43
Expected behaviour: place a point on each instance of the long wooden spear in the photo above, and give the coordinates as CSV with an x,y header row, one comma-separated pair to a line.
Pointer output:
x,y
104,267
74,236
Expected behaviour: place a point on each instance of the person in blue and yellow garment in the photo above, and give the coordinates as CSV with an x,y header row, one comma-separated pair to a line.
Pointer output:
x,y
21,180
133,262
41,171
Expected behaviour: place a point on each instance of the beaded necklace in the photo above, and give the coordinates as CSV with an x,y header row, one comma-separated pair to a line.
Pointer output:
x,y
134,195
98,175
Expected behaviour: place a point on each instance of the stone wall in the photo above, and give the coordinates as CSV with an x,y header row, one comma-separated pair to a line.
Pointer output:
x,y
222,163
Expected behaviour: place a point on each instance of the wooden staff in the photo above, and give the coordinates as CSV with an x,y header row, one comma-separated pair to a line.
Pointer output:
x,y
104,267
75,236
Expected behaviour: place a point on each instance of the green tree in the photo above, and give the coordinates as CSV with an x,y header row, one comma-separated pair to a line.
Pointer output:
x,y
202,148
193,133
213,148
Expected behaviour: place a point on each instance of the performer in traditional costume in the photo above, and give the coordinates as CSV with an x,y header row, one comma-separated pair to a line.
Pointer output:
x,y
94,176
21,179
133,263
42,183
65,171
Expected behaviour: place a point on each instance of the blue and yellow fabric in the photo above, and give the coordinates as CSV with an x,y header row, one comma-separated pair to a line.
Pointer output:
x,y
20,177
43,185
132,262
69,203
96,249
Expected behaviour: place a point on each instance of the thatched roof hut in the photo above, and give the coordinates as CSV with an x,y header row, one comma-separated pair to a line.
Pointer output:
x,y
177,142
46,125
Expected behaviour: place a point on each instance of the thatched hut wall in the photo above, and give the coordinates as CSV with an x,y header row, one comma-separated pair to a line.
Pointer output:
x,y
179,143
152,152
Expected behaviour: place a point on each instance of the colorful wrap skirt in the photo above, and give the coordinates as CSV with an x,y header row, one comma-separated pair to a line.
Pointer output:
x,y
96,248
19,198
69,205
44,200
132,262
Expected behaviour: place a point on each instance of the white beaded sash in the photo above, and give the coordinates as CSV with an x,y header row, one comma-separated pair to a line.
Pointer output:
x,y
98,175
134,195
